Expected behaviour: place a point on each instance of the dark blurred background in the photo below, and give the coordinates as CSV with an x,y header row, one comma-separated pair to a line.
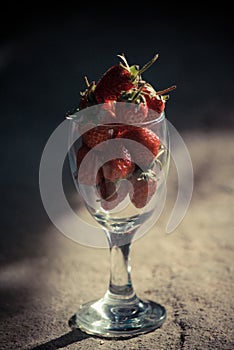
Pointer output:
x,y
46,51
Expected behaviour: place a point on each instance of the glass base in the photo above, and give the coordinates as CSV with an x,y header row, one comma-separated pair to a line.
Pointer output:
x,y
118,318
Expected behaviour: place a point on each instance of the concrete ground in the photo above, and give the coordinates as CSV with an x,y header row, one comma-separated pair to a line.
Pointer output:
x,y
45,276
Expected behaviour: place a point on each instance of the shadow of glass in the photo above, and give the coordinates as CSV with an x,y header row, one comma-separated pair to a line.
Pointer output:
x,y
61,342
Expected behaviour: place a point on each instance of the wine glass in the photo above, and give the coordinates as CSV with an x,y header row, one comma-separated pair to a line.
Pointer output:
x,y
126,204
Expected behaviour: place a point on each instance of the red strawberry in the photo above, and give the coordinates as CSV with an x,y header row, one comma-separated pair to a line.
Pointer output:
x,y
122,190
146,137
81,153
88,174
97,135
156,103
131,113
155,100
119,79
107,189
112,83
118,168
143,190
106,115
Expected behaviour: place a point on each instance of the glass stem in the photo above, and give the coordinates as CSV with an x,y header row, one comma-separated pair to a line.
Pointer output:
x,y
120,285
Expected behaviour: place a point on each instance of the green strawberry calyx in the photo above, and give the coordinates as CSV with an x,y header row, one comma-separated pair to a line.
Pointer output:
x,y
134,70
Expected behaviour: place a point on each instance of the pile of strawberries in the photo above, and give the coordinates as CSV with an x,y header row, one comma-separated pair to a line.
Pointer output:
x,y
125,100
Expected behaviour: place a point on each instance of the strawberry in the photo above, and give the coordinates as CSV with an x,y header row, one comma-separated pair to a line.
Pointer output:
x,y
137,114
119,79
118,168
88,174
97,135
146,137
155,100
131,113
123,83
122,190
81,153
107,189
156,103
132,107
106,115
143,189
112,83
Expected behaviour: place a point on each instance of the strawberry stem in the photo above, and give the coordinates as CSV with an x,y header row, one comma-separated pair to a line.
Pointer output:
x,y
137,93
147,65
86,81
123,58
173,87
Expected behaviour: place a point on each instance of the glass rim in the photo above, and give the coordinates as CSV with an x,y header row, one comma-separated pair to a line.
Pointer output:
x,y
157,120
74,117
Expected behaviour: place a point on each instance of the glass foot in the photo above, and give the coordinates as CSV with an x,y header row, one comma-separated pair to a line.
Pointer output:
x,y
116,320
